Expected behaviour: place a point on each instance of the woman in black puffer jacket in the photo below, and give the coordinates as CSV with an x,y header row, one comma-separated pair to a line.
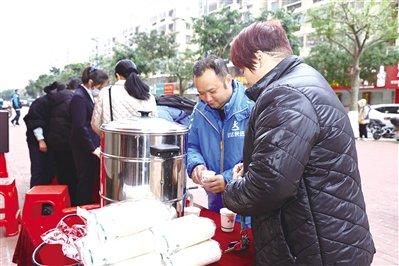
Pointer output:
x,y
301,182
59,131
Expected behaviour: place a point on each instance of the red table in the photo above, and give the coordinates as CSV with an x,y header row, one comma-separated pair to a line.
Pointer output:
x,y
29,239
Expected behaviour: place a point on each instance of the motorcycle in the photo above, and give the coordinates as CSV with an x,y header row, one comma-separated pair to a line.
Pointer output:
x,y
380,130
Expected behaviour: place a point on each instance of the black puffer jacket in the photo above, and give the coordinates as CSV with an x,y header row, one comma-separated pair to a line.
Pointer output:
x,y
301,184
37,116
60,120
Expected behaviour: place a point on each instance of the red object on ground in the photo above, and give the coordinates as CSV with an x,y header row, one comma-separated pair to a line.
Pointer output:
x,y
9,191
44,204
3,166
52,255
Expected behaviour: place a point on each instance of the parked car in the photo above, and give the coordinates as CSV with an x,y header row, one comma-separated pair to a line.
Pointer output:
x,y
382,113
24,102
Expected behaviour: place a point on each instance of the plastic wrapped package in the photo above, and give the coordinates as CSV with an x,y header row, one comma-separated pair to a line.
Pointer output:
x,y
182,232
150,259
116,250
125,218
203,253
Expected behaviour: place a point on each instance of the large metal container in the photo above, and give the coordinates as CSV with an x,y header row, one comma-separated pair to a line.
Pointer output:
x,y
143,157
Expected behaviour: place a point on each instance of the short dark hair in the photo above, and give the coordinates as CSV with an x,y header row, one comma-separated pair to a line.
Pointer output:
x,y
74,83
98,76
268,36
218,65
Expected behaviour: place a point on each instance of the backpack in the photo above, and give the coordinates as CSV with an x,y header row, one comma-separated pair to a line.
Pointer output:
x,y
175,101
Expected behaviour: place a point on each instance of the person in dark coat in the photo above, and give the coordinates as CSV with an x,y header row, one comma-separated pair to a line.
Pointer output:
x,y
300,178
59,132
36,121
84,141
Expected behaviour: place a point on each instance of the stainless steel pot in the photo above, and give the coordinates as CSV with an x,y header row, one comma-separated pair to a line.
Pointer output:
x,y
143,157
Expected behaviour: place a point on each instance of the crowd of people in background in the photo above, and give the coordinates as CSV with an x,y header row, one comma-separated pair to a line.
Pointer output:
x,y
282,150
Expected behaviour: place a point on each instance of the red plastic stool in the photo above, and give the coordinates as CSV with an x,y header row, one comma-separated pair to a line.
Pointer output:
x,y
9,191
43,204
3,166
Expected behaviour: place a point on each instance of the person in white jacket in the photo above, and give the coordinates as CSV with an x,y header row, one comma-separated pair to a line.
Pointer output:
x,y
126,98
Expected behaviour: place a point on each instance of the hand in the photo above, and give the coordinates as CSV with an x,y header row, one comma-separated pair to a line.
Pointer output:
x,y
238,171
197,174
97,152
42,146
214,184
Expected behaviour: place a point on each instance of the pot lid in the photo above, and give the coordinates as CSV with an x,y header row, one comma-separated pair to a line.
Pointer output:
x,y
144,125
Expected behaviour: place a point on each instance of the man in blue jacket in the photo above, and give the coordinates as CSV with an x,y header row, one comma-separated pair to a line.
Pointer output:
x,y
16,104
219,120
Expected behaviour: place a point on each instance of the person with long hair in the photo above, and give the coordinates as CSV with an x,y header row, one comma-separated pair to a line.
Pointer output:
x,y
126,98
84,142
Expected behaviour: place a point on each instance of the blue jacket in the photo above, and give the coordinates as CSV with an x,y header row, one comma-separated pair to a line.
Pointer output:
x,y
16,103
219,144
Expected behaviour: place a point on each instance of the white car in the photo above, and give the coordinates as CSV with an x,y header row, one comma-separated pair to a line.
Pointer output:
x,y
382,111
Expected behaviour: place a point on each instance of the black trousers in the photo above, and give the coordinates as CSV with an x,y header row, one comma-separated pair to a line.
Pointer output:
x,y
66,172
41,166
363,130
16,118
88,174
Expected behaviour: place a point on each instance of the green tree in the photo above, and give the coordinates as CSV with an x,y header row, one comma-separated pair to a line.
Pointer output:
x,y
148,51
6,94
214,32
355,27
290,22
181,68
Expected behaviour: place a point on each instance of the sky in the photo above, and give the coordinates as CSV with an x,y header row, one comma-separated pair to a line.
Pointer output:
x,y
38,34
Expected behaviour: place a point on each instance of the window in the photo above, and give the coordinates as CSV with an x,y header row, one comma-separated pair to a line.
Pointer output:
x,y
171,28
188,39
274,6
188,26
212,7
392,110
171,13
288,2
293,7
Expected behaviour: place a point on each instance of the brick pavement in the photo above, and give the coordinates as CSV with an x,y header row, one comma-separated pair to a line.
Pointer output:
x,y
378,161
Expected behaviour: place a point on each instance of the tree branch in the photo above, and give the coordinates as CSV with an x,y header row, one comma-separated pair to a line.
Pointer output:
x,y
342,46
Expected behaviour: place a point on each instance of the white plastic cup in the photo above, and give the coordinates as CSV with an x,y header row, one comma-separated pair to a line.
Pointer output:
x,y
192,210
227,220
207,174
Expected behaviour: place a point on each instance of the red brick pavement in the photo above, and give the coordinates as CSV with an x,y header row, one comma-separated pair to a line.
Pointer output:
x,y
378,161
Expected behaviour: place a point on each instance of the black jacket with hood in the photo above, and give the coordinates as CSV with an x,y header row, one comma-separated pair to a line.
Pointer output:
x,y
301,183
60,120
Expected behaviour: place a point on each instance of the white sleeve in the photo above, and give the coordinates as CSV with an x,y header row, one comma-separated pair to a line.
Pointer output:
x,y
38,132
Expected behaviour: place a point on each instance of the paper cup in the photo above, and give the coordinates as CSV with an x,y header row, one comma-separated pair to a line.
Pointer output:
x,y
227,220
192,210
207,174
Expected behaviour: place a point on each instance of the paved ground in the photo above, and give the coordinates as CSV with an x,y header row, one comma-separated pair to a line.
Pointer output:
x,y
378,162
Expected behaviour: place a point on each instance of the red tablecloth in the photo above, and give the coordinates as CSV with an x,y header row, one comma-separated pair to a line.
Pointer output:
x,y
29,239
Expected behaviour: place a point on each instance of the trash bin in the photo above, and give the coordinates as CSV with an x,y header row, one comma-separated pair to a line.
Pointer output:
x,y
4,135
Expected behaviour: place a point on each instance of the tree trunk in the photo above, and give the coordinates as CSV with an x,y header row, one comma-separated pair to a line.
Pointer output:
x,y
355,84
181,89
